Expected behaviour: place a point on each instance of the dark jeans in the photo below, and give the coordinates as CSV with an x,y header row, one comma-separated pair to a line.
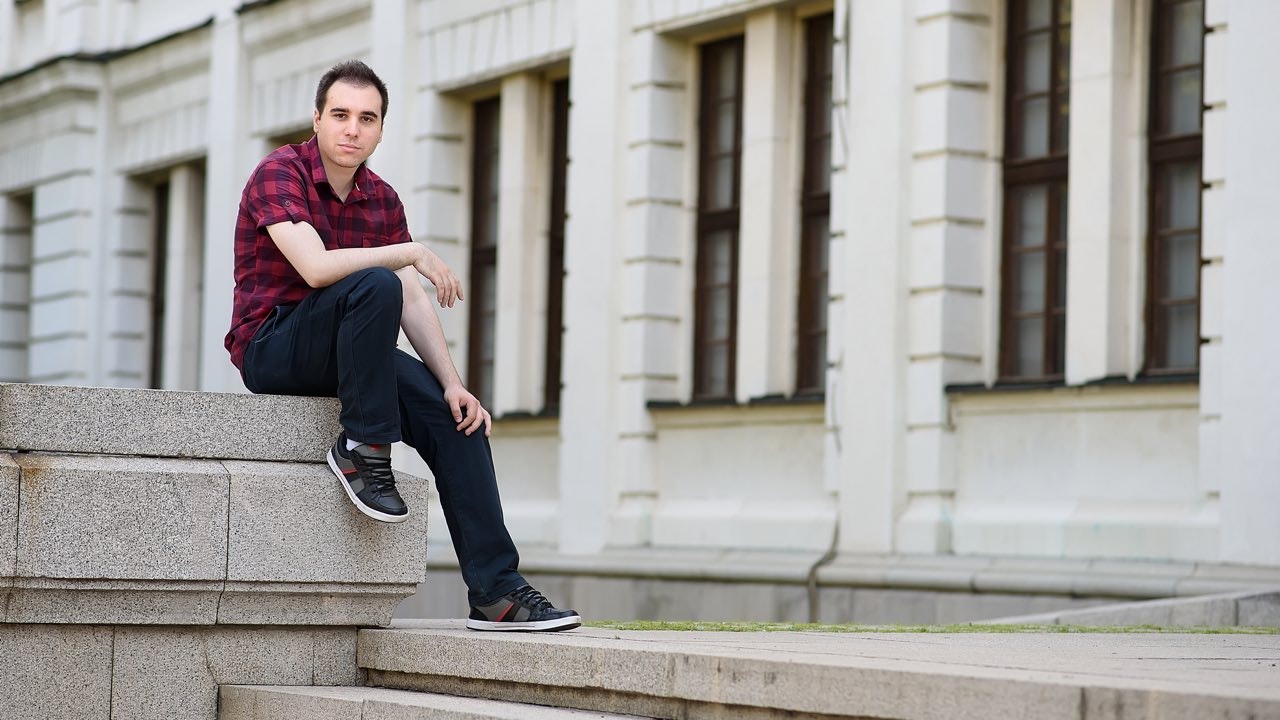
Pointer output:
x,y
341,340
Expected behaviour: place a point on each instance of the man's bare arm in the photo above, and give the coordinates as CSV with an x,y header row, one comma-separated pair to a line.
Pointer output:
x,y
422,327
321,267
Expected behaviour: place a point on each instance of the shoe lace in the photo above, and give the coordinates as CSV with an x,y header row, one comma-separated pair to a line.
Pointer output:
x,y
376,471
531,598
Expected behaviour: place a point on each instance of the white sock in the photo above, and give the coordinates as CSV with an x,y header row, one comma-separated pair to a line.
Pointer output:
x,y
351,444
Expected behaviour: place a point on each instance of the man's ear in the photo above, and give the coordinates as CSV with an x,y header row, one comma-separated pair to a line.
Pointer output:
x,y
315,121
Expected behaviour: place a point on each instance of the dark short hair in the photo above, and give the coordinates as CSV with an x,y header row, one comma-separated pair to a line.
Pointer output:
x,y
352,72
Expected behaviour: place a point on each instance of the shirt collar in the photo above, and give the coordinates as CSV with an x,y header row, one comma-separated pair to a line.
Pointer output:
x,y
311,152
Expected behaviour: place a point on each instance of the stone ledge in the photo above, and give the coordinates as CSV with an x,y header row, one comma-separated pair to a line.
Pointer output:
x,y
105,539
949,573
160,423
1246,609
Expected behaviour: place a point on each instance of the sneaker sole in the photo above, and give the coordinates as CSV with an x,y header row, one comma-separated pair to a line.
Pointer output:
x,y
375,514
565,623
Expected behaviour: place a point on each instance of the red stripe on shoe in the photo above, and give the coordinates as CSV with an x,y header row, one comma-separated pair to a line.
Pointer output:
x,y
506,612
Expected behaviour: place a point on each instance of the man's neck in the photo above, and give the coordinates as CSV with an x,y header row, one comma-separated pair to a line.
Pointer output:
x,y
341,180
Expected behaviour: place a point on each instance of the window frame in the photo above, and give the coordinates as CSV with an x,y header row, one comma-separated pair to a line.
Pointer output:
x,y
725,219
486,124
1163,151
815,207
1019,172
560,105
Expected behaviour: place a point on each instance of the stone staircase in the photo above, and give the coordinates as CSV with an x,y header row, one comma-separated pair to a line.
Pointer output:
x,y
155,545
450,672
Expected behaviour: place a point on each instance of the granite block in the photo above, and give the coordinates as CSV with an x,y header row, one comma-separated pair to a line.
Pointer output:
x,y
292,522
115,517
55,672
111,602
165,423
174,673
9,472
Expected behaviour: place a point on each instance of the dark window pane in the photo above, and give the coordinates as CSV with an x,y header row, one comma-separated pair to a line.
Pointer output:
x,y
1036,13
1034,124
715,371
1030,344
1064,12
1036,51
1033,209
1183,110
1183,336
1060,281
1182,266
1181,191
1031,276
1187,33
1063,76
725,128
720,175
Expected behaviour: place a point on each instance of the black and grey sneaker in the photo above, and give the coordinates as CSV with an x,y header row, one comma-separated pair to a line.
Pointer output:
x,y
522,609
365,473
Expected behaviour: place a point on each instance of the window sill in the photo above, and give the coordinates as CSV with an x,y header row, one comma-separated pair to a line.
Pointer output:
x,y
1192,378
762,401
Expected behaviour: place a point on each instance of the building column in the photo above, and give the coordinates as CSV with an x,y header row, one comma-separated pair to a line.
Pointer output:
x,y
589,402
767,265
64,281
1249,292
390,27
866,391
520,330
182,290
232,154
952,176
1103,309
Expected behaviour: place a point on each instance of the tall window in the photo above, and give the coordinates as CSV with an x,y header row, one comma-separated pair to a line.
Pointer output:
x,y
1034,305
555,242
815,210
719,169
1173,244
16,224
159,266
484,251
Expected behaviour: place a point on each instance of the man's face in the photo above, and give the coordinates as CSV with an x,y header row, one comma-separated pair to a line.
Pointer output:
x,y
350,127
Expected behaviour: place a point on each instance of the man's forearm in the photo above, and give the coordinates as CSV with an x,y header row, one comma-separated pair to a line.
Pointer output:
x,y
335,265
422,326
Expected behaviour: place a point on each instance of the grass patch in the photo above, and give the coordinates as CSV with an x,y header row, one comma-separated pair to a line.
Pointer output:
x,y
957,628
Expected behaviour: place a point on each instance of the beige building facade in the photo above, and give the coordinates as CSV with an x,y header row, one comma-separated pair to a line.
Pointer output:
x,y
860,293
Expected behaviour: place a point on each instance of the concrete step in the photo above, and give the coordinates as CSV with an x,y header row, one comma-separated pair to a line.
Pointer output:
x,y
753,676
158,423
247,702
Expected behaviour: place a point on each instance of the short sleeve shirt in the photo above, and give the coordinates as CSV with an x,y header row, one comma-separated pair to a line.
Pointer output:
x,y
290,185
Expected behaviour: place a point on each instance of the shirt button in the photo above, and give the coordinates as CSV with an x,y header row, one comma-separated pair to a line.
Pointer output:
x,y
287,203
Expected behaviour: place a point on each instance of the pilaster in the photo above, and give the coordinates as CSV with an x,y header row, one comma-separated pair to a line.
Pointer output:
x,y
1105,144
770,205
590,462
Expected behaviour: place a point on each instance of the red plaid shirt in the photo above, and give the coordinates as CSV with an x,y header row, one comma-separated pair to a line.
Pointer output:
x,y
290,185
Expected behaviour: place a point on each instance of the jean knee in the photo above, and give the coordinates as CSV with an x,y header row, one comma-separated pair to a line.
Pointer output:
x,y
380,283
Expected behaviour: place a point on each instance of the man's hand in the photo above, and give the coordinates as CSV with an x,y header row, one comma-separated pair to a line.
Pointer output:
x,y
460,400
448,286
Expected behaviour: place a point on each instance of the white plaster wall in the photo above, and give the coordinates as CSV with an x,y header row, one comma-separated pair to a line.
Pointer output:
x,y
1088,472
739,478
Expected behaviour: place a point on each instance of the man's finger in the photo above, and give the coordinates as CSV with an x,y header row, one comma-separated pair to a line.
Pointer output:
x,y
457,411
474,420
488,423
